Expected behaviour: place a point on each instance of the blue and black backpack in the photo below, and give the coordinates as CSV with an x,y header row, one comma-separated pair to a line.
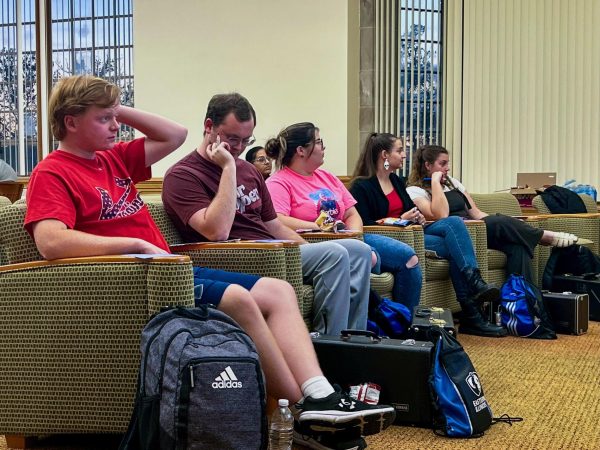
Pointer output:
x,y
460,407
387,318
522,310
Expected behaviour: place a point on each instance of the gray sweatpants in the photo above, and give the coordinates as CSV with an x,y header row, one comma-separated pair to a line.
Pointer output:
x,y
339,273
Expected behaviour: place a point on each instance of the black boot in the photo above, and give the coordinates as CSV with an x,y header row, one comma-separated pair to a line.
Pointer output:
x,y
473,322
479,290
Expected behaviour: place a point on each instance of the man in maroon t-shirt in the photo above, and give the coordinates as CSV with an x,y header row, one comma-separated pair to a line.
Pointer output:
x,y
212,194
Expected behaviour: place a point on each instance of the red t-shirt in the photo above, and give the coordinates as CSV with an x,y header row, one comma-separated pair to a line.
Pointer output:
x,y
96,196
192,184
396,207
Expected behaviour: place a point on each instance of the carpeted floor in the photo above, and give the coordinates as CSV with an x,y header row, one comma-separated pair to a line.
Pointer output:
x,y
553,385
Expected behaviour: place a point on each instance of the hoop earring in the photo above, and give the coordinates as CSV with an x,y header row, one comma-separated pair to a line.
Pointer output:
x,y
386,164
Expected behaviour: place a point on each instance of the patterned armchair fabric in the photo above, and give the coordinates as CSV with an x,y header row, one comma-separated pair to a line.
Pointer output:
x,y
277,260
69,333
585,226
507,204
437,289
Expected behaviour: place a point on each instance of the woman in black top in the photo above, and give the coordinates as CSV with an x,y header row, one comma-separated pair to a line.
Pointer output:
x,y
380,193
438,195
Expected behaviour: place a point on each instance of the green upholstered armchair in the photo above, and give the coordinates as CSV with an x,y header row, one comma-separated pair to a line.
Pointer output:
x,y
4,201
70,330
381,283
585,226
269,259
507,204
437,289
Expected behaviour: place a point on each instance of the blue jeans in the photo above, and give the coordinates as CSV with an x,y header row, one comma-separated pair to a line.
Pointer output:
x,y
392,256
450,239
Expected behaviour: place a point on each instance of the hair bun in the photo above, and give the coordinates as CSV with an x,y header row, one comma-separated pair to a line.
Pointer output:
x,y
273,148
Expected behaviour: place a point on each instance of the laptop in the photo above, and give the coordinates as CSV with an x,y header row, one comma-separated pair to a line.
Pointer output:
x,y
535,179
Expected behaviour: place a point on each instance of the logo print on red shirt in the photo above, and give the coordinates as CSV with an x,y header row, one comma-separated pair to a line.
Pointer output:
x,y
122,208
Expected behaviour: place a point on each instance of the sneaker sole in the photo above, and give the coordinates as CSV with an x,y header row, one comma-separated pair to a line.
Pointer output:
x,y
489,295
307,441
349,425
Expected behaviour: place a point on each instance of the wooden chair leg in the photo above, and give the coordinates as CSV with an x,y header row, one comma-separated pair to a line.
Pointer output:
x,y
19,441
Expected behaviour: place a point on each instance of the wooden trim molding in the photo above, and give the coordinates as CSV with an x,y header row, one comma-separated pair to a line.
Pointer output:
x,y
151,186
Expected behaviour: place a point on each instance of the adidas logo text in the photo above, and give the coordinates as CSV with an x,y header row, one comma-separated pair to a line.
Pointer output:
x,y
227,380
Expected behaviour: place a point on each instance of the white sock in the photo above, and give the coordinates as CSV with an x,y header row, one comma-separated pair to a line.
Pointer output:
x,y
317,387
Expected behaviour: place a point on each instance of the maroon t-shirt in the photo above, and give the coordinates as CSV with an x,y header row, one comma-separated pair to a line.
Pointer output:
x,y
192,183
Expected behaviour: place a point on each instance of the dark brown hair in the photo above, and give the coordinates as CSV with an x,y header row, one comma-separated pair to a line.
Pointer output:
x,y
366,165
418,171
283,147
222,104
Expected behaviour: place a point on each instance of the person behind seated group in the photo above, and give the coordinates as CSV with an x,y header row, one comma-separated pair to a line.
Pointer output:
x,y
438,195
302,193
258,157
7,173
82,201
380,193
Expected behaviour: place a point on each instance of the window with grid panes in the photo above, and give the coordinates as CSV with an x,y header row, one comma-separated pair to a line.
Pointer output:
x,y
42,41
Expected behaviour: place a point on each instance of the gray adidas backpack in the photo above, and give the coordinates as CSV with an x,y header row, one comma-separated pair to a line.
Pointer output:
x,y
200,385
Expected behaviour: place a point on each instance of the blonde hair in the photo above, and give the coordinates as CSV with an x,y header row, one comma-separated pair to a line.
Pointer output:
x,y
74,95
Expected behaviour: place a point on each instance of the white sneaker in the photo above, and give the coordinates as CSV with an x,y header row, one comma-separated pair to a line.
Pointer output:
x,y
561,239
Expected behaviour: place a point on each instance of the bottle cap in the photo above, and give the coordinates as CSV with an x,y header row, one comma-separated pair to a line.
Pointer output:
x,y
284,402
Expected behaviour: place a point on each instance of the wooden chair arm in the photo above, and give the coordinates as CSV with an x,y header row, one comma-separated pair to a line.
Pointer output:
x,y
320,236
240,245
118,259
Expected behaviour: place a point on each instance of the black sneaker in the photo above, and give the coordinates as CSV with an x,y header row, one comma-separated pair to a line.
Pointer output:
x,y
326,442
340,415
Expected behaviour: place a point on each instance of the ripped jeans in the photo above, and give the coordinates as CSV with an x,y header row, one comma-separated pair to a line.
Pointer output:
x,y
392,256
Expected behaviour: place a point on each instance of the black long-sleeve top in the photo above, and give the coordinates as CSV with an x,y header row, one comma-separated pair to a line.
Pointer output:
x,y
372,202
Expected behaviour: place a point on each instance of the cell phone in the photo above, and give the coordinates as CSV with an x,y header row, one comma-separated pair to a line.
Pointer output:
x,y
306,230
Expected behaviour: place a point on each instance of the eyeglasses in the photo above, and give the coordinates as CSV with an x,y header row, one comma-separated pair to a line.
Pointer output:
x,y
235,141
317,142
263,160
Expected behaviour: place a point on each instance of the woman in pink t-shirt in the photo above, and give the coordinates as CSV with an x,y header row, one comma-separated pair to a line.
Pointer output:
x,y
302,192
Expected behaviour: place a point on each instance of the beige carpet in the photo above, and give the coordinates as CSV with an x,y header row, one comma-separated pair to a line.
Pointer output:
x,y
553,385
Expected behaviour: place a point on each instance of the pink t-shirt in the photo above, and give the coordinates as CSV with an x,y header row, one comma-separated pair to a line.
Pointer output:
x,y
304,197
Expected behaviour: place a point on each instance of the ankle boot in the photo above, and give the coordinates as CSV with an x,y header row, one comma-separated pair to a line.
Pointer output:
x,y
479,290
473,322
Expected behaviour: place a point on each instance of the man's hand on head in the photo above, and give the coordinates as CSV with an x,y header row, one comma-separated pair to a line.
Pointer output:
x,y
218,152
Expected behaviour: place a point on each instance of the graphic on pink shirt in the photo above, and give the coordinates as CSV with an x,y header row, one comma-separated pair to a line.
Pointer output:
x,y
122,208
326,202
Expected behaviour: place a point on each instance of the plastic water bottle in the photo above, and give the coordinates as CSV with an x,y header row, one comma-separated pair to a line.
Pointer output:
x,y
281,430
